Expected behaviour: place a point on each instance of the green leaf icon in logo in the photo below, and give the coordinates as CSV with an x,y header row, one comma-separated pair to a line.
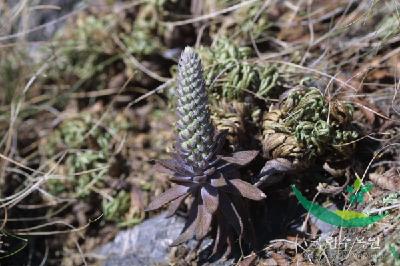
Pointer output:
x,y
340,218
357,191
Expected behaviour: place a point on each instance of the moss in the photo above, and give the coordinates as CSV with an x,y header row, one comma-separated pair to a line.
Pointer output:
x,y
13,65
87,48
89,146
115,209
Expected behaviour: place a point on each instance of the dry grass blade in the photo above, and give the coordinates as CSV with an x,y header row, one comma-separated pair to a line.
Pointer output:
x,y
231,214
212,15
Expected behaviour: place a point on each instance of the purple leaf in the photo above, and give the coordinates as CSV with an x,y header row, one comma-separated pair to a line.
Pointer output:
x,y
171,166
169,195
277,165
219,182
162,169
221,236
186,235
190,226
241,158
203,222
182,180
247,190
174,205
209,195
167,166
268,174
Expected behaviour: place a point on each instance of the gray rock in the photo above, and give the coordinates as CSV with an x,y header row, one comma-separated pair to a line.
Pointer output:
x,y
148,244
41,23
44,18
145,244
46,22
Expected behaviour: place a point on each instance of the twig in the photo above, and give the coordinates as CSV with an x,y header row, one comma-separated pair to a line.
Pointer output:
x,y
159,88
314,71
136,62
209,16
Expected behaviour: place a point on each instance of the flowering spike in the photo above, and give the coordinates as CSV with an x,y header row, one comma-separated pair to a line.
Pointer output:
x,y
199,170
194,126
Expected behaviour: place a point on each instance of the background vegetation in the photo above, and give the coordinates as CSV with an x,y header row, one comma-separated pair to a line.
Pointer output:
x,y
87,97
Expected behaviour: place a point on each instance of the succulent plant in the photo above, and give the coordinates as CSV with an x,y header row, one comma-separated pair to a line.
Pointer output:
x,y
117,207
230,116
226,69
307,126
88,139
230,75
218,206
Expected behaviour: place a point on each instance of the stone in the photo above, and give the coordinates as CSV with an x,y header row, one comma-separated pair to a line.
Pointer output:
x,y
149,244
145,244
